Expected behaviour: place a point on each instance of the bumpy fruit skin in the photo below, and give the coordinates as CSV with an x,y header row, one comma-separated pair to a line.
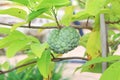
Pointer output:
x,y
63,40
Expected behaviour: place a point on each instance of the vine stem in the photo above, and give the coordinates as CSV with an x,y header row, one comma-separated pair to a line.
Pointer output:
x,y
33,62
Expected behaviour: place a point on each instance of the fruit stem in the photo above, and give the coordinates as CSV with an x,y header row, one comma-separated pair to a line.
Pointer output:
x,y
55,16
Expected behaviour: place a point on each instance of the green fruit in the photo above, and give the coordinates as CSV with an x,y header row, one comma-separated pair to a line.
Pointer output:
x,y
63,40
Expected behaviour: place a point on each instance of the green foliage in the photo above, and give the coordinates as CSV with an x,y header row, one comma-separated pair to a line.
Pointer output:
x,y
67,17
59,41
27,74
44,64
20,13
15,41
93,7
65,39
81,15
95,65
93,50
83,40
112,73
32,74
24,61
35,14
5,65
24,2
38,49
17,25
12,36
4,30
16,46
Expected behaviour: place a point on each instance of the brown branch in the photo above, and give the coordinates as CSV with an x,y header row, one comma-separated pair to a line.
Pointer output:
x,y
3,72
53,59
29,24
34,27
87,21
68,58
49,27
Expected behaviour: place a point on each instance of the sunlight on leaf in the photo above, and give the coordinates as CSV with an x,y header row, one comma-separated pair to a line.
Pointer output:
x,y
67,17
44,63
17,25
38,49
20,13
15,47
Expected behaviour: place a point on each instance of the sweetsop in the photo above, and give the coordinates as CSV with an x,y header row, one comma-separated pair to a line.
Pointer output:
x,y
63,40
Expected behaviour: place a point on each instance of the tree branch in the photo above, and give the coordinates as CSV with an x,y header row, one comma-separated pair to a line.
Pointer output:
x,y
49,27
53,59
68,58
3,72
87,21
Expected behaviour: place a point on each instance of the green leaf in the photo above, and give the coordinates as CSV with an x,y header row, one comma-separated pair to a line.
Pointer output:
x,y
80,16
38,49
95,68
17,35
83,40
51,24
93,47
24,2
59,3
24,61
5,42
33,39
5,65
35,14
112,73
94,65
17,25
20,13
46,16
67,17
13,36
4,30
93,7
51,3
116,36
114,8
15,47
44,63
102,59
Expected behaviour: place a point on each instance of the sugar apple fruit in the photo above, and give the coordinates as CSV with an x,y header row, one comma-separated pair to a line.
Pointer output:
x,y
63,40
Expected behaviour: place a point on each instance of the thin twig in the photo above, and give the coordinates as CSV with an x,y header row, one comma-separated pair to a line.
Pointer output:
x,y
54,60
34,27
55,16
87,21
3,72
29,24
53,57
68,58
